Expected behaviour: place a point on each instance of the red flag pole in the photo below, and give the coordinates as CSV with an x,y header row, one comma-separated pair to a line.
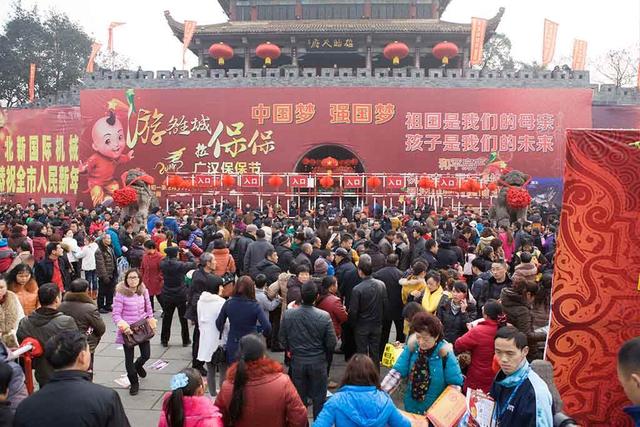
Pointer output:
x,y
32,82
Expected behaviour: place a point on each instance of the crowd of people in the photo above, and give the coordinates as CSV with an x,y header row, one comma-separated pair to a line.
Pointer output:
x,y
466,300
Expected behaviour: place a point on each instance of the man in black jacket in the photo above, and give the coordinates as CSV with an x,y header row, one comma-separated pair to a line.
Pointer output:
x,y
199,282
43,324
390,276
308,333
419,249
256,252
239,248
366,310
269,266
53,269
174,293
446,256
285,254
85,403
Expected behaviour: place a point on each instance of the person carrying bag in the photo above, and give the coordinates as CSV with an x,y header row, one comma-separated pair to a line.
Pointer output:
x,y
133,315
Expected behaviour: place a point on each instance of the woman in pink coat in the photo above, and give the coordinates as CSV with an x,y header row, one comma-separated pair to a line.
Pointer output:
x,y
130,304
186,405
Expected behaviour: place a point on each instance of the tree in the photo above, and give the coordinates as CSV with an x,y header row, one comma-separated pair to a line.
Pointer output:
x,y
534,66
497,53
618,66
112,60
58,47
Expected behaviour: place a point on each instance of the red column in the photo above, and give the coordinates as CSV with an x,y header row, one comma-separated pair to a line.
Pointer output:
x,y
232,11
254,13
299,9
367,9
413,11
434,10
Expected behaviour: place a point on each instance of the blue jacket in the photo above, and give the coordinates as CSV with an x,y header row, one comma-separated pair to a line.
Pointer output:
x,y
360,406
172,224
151,222
634,413
243,315
442,373
115,242
530,406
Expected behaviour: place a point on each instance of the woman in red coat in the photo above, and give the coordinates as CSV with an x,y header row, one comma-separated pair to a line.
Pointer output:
x,y
257,392
150,270
479,341
329,302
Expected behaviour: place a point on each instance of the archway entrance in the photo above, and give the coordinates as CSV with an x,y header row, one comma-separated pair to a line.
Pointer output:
x,y
336,196
348,161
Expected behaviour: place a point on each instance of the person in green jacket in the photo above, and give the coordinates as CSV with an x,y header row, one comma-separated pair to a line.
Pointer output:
x,y
428,363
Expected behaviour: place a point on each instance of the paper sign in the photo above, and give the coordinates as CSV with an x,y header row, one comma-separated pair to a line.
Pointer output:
x,y
447,410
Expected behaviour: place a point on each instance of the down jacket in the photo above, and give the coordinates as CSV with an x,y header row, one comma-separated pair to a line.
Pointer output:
x,y
479,341
199,411
84,311
130,306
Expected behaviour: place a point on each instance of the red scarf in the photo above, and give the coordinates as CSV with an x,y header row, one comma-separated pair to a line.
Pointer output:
x,y
57,275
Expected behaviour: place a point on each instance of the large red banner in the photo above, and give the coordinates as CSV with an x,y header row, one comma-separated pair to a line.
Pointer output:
x,y
393,130
39,154
596,289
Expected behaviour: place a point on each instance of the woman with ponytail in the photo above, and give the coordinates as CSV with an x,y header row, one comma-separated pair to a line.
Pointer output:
x,y
186,405
257,392
479,342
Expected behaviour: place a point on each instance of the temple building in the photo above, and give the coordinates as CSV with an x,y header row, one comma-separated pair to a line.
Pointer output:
x,y
330,33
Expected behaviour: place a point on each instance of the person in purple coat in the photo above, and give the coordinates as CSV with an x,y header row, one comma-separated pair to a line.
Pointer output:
x,y
130,304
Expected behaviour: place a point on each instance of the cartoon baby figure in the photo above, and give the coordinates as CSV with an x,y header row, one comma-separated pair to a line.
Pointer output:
x,y
108,143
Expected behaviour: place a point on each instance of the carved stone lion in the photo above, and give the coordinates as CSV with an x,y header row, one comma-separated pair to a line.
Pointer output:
x,y
139,211
501,212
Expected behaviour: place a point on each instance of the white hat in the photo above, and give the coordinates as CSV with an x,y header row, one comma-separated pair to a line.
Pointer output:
x,y
473,223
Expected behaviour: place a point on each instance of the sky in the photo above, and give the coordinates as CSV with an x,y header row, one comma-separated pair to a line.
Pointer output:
x,y
147,40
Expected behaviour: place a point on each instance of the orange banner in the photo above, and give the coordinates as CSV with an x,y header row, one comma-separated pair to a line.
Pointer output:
x,y
111,27
189,29
478,30
549,41
639,76
579,54
95,48
32,82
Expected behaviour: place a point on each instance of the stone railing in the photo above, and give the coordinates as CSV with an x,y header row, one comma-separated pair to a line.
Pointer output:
x,y
312,77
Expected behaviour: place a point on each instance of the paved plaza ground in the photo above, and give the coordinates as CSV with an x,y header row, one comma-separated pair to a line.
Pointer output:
x,y
143,410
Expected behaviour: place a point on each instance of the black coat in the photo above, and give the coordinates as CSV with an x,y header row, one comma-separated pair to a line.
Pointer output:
x,y
368,303
269,269
446,257
44,271
404,256
285,257
348,278
173,271
302,258
454,325
390,276
238,250
378,260
89,404
199,282
419,250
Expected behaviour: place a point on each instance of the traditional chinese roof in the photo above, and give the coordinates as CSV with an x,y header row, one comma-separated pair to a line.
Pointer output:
x,y
319,26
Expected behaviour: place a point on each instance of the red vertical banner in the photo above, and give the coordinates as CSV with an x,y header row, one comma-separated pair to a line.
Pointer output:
x,y
595,283
95,48
579,54
189,30
549,41
638,75
111,27
32,82
478,30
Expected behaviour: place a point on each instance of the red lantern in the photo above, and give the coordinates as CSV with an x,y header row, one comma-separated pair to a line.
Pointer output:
x,y
426,183
305,161
326,181
275,181
228,180
444,51
465,186
268,52
221,51
354,162
396,51
374,182
476,186
492,186
329,163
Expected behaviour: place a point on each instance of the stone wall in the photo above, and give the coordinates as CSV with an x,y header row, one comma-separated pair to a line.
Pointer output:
x,y
346,77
